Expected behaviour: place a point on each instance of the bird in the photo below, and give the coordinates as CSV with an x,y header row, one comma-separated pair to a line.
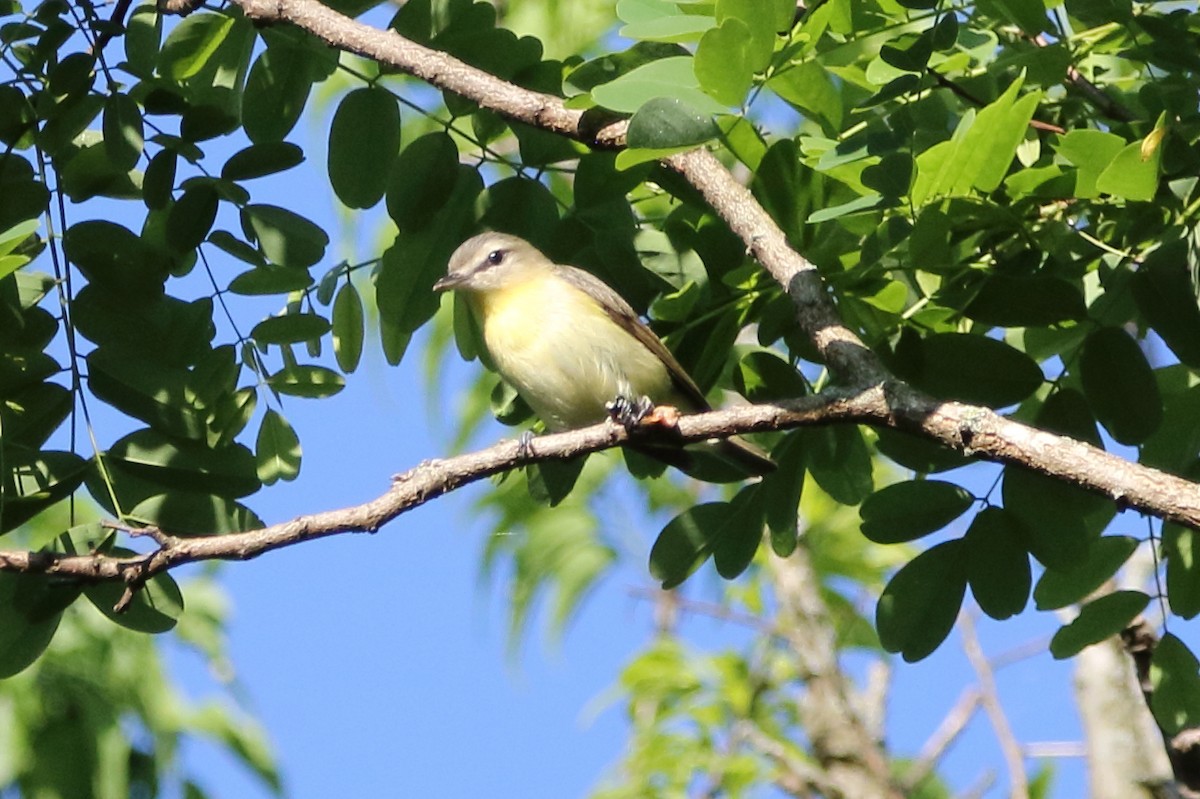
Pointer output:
x,y
577,352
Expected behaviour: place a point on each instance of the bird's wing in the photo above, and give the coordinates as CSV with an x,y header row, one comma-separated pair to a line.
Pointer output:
x,y
623,314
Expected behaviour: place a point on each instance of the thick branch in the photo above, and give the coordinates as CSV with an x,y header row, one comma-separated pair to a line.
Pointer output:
x,y
969,429
852,760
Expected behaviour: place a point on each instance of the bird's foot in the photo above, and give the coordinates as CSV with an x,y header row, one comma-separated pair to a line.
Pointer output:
x,y
642,412
525,444
629,413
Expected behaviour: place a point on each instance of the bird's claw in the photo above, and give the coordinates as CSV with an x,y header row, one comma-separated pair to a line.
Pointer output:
x,y
629,413
525,444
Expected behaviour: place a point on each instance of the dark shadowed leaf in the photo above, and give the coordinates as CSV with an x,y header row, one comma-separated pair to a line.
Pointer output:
x,y
1181,546
967,367
156,606
348,327
998,563
1120,385
277,450
363,142
840,462
422,180
309,381
30,609
259,160
908,510
286,238
1176,685
551,481
1057,589
1098,620
920,603
689,538
291,328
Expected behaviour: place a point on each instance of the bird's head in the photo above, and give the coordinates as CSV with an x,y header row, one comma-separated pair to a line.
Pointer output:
x,y
492,261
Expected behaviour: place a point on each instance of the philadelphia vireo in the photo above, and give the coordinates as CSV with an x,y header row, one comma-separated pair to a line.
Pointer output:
x,y
572,347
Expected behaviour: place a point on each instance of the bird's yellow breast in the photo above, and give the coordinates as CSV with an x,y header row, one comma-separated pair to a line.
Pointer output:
x,y
563,353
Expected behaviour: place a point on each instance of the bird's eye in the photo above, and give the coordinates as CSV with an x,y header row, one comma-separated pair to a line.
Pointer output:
x,y
495,257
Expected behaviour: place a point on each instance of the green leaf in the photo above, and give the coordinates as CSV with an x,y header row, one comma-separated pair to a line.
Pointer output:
x,y
779,493
277,450
1175,686
668,28
417,258
192,43
313,382
183,512
1097,620
17,121
911,509
967,367
722,62
838,459
688,539
143,32
1091,151
30,609
1062,521
35,481
228,471
920,603
422,180
1059,588
116,259
192,216
30,416
916,453
1132,175
1182,551
550,482
765,377
1008,301
363,142
1120,385
276,92
259,160
666,77
811,89
155,393
239,249
290,328
268,279
1029,15
998,563
286,238
25,197
591,74
981,151
156,606
759,21
348,328
123,132
1166,299
670,122
733,553
159,180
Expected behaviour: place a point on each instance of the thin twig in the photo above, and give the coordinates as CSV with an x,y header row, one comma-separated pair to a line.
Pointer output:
x,y
1014,759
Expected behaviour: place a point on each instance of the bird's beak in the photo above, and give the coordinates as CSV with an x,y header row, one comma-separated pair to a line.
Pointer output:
x,y
450,281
